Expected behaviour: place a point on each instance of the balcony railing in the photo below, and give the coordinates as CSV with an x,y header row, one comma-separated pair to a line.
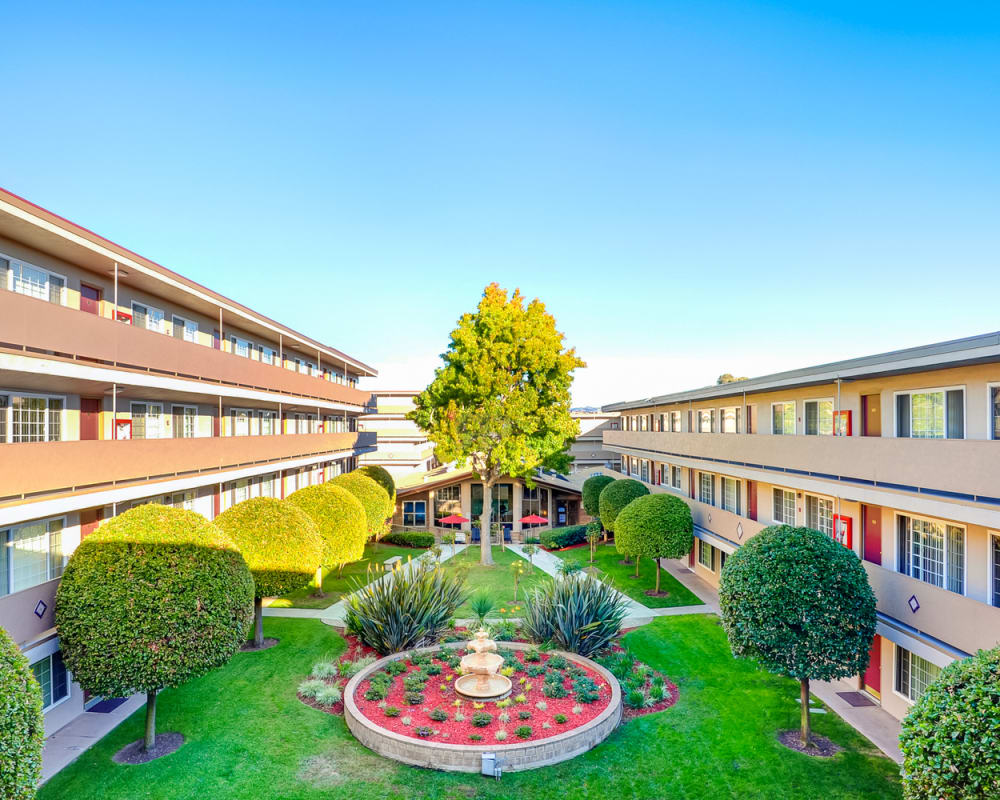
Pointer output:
x,y
955,468
26,322
51,467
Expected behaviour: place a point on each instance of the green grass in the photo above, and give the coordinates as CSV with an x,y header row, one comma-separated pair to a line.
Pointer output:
x,y
606,560
249,737
336,588
496,581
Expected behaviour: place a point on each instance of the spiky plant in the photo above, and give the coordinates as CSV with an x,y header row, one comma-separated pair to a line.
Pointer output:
x,y
579,613
481,605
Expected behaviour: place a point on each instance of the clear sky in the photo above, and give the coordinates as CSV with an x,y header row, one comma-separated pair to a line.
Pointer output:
x,y
692,188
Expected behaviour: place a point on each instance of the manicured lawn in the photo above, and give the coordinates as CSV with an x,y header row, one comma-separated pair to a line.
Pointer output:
x,y
496,581
606,560
249,737
336,588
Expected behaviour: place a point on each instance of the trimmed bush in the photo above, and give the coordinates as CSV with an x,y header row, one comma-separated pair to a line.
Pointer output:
x,y
22,726
615,496
383,478
950,737
373,498
558,538
799,603
578,613
340,519
153,598
655,526
410,539
280,544
591,493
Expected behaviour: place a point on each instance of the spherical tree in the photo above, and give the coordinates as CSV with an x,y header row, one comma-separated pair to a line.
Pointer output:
x,y
383,478
591,493
950,737
340,519
800,604
372,496
280,544
156,596
614,497
22,726
655,526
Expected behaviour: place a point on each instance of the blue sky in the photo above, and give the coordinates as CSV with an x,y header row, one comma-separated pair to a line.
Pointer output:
x,y
691,188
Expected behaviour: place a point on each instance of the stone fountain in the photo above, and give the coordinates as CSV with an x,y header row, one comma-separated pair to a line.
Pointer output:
x,y
482,679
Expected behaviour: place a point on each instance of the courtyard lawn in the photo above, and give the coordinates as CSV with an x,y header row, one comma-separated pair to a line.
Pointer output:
x,y
336,588
249,737
496,581
606,560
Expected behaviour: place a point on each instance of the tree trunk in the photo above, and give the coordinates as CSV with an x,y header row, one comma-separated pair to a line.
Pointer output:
x,y
656,563
806,733
319,582
485,537
258,622
150,739
637,559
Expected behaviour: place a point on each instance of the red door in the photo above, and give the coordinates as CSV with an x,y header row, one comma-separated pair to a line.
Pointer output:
x,y
752,499
90,414
873,675
90,299
872,521
89,520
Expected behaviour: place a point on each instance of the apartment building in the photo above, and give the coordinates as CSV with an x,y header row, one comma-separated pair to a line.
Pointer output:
x,y
896,456
400,446
588,448
122,382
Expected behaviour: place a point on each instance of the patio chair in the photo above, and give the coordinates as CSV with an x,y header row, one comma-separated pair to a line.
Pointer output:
x,y
475,535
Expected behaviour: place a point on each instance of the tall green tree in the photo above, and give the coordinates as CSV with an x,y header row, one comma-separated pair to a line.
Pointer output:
x,y
501,399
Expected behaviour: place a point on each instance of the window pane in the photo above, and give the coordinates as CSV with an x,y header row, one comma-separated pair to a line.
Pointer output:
x,y
57,559
43,674
4,403
994,406
956,414
29,554
60,680
927,415
30,281
956,559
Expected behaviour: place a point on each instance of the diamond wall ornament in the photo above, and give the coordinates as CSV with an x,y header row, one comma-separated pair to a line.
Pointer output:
x,y
709,517
739,531
40,609
913,603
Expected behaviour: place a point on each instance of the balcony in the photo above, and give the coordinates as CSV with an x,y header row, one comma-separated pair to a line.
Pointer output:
x,y
962,466
961,621
50,467
26,322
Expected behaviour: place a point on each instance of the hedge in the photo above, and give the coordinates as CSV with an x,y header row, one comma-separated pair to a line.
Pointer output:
x,y
22,725
383,478
373,498
558,538
340,519
591,493
951,737
615,496
154,597
410,539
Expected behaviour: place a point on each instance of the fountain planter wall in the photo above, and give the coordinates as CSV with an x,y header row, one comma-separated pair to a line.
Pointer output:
x,y
515,757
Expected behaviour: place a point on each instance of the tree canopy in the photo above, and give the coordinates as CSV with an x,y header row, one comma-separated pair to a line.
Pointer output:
x,y
373,498
22,726
727,377
591,493
383,478
340,519
614,497
655,526
501,399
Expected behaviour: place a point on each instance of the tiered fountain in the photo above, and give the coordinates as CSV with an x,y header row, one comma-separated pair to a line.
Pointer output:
x,y
482,679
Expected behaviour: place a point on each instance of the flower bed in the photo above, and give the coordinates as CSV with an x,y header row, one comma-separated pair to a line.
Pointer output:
x,y
551,695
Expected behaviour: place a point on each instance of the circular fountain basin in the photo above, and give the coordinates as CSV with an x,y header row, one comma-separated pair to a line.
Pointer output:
x,y
483,687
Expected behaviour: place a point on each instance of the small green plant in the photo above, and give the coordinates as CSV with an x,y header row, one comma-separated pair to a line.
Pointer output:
x,y
523,732
438,715
504,703
524,714
508,671
481,719
504,631
517,569
569,567
396,667
328,696
560,718
423,730
557,661
529,550
546,726
503,717
520,699
433,669
459,716
585,690
635,698
324,669
414,682
535,670
413,698
532,655
500,735
481,604
541,705
555,690
577,709
475,737
350,668
391,711
657,693
406,721
311,687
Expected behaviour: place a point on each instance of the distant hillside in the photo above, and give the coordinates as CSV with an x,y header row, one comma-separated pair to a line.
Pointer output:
x,y
586,409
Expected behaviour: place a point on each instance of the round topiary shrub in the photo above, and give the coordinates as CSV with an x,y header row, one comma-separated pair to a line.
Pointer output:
x,y
382,477
280,544
615,496
153,598
951,737
340,519
22,726
655,526
373,498
591,493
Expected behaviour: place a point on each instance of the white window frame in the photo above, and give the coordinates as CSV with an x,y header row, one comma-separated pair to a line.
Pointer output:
x,y
9,415
187,499
795,508
805,416
190,333
989,410
7,578
738,491
703,414
148,403
268,355
69,678
736,418
239,342
795,417
944,555
991,569
833,512
676,484
711,477
12,260
895,672
931,390
186,407
705,546
162,328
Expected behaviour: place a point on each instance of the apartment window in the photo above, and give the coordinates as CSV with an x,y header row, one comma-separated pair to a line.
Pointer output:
x,y
52,677
268,485
730,419
30,554
241,490
783,509
731,495
819,417
995,412
239,421
33,418
415,513
185,329
145,316
705,555
913,674
783,418
147,420
241,347
185,421
995,561
268,356
819,514
644,471
706,488
533,501
706,421
932,414
675,477
183,500
933,552
32,281
268,422
448,500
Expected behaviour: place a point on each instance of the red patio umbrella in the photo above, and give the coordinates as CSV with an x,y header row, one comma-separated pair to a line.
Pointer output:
x,y
452,519
533,519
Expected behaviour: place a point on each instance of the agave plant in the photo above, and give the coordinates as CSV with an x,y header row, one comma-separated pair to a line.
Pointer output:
x,y
578,613
409,608
482,604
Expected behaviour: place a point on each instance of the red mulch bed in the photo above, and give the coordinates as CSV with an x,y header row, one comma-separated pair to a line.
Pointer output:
x,y
459,732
